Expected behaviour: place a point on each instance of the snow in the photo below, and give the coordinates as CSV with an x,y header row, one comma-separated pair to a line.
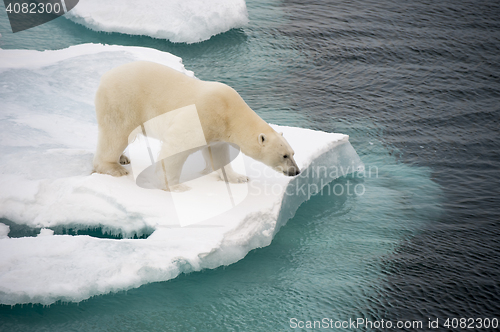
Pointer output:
x,y
47,142
188,21
46,232
4,231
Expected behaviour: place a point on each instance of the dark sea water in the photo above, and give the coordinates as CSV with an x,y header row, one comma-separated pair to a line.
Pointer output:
x,y
428,74
416,86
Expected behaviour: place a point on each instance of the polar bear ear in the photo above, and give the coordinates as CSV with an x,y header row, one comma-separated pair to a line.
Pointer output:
x,y
281,134
262,139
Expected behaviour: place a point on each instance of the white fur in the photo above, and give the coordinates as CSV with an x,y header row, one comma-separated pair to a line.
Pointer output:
x,y
134,93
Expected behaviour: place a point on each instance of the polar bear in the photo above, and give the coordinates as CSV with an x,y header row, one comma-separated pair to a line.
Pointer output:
x,y
131,94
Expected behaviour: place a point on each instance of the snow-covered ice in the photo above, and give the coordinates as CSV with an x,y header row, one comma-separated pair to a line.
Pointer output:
x,y
188,21
4,231
47,139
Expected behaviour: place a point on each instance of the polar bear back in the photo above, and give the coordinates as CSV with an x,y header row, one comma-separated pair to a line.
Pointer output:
x,y
139,91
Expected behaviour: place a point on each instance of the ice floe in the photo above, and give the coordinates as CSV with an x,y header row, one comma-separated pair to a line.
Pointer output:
x,y
47,139
188,21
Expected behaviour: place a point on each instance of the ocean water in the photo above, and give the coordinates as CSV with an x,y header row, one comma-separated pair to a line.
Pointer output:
x,y
416,86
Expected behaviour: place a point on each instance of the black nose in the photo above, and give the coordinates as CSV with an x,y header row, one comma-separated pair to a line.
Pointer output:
x,y
294,171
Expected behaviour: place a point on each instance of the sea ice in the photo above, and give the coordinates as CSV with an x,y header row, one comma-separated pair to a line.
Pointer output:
x,y
47,139
188,21
4,231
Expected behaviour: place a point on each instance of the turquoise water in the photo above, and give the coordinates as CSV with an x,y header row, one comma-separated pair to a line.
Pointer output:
x,y
340,256
326,262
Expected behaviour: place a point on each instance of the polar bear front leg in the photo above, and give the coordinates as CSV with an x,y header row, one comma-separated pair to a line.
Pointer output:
x,y
231,175
217,156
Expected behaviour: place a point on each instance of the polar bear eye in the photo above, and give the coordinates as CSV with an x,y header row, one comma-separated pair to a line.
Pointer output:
x,y
285,156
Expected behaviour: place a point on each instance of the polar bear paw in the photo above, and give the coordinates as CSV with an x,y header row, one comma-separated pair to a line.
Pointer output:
x,y
124,160
112,169
178,188
117,171
237,178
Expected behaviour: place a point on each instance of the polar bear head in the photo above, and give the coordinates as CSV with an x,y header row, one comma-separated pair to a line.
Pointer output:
x,y
276,153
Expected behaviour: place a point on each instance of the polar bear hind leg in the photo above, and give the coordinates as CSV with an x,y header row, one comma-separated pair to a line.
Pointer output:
x,y
108,156
124,160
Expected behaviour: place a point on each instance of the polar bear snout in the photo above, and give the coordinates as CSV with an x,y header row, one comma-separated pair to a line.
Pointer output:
x,y
293,171
291,168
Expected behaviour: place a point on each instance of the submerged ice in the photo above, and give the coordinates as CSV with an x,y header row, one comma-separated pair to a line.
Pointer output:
x,y
188,21
47,142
